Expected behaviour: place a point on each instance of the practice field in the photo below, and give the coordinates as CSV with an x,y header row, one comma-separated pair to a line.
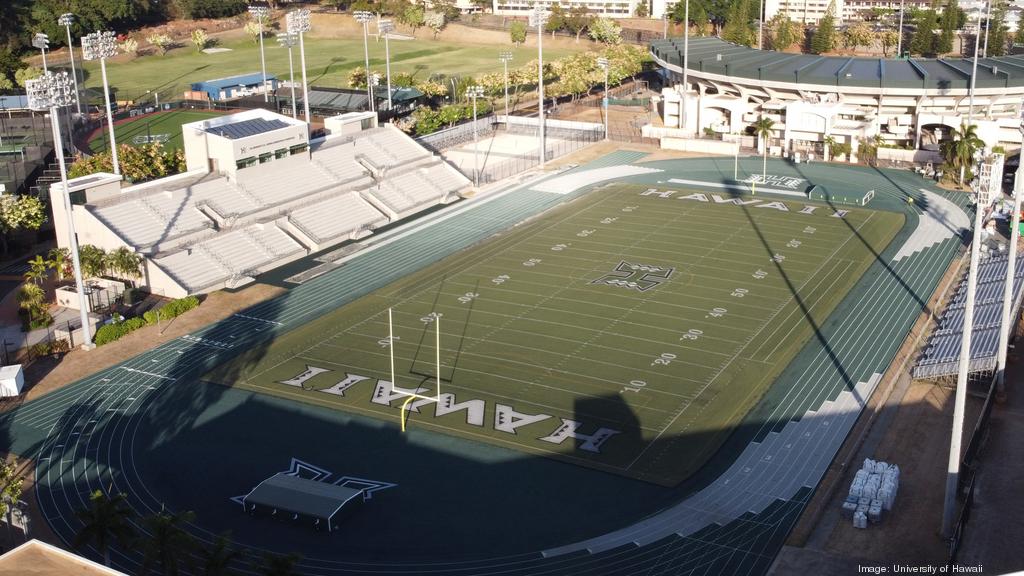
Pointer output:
x,y
628,331
163,127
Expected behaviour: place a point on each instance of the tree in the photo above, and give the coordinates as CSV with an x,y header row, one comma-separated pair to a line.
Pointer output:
x,y
274,565
414,18
859,34
130,46
253,31
699,16
997,32
923,41
737,24
763,129
830,145
889,38
5,84
605,30
198,9
19,213
60,261
517,32
10,486
958,152
38,270
124,264
436,22
824,39
556,20
25,74
944,45
32,299
138,163
168,543
105,521
782,32
200,39
447,8
93,260
162,42
217,558
641,10
867,149
577,20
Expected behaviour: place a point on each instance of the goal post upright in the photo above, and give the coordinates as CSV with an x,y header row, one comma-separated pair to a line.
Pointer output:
x,y
414,394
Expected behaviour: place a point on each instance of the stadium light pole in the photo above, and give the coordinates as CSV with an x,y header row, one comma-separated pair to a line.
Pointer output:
x,y
899,35
970,100
298,24
988,24
539,17
42,41
287,40
364,17
260,12
385,27
52,92
1011,266
371,81
474,92
66,20
100,46
505,57
602,63
686,63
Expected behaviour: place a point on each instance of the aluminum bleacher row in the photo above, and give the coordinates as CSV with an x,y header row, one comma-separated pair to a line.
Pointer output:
x,y
207,231
941,356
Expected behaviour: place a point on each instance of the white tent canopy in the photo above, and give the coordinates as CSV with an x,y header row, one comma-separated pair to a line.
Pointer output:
x,y
12,378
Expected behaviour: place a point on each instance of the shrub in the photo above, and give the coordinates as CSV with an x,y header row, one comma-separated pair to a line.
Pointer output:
x,y
171,309
133,324
150,316
60,347
39,350
108,333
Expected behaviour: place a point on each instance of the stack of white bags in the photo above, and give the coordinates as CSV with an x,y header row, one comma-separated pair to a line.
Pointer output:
x,y
873,490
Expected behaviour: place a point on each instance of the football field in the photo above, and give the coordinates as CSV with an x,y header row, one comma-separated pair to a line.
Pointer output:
x,y
628,330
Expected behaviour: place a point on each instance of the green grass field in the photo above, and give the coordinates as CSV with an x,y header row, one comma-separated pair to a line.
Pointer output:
x,y
152,125
328,63
539,332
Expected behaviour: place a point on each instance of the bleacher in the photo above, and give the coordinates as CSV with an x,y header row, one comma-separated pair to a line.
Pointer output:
x,y
208,231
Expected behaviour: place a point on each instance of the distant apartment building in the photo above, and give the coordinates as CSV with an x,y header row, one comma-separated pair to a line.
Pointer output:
x,y
812,11
606,8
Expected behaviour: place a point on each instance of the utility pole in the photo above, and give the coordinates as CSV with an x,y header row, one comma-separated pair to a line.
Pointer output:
x,y
1009,318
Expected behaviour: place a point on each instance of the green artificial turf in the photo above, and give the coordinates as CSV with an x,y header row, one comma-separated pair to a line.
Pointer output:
x,y
166,123
530,322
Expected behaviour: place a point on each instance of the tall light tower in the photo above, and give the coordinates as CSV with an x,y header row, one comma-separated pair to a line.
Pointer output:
x,y
51,92
899,41
260,12
602,63
66,20
385,27
42,41
1007,324
505,57
539,17
298,24
371,81
100,46
686,64
364,18
287,40
474,92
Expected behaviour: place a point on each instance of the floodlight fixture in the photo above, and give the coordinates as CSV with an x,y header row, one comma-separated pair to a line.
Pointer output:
x,y
288,40
260,12
298,23
41,41
52,92
66,20
386,27
100,46
364,17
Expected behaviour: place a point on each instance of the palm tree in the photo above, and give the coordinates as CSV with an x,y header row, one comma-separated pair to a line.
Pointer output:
x,y
763,129
31,298
274,565
38,269
168,542
60,261
959,152
216,560
106,520
830,143
124,263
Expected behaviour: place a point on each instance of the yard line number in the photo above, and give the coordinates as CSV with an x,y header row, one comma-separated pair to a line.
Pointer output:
x,y
634,386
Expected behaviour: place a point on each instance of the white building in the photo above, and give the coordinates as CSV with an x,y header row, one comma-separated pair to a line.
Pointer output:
x,y
910,105
606,8
257,194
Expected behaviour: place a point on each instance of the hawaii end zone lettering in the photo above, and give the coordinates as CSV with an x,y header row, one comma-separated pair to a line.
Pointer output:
x,y
506,418
752,202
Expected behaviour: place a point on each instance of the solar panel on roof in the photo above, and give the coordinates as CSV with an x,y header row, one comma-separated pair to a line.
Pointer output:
x,y
247,128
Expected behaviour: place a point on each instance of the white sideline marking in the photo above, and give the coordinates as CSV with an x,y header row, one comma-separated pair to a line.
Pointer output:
x,y
258,319
573,181
146,373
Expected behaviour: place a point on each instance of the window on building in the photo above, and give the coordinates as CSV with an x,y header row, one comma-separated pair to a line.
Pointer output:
x,y
246,162
298,148
265,157
281,153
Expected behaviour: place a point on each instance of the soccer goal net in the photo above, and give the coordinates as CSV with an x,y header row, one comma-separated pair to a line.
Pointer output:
x,y
850,198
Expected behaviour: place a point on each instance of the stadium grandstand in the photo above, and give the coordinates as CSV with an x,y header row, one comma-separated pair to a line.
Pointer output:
x,y
258,194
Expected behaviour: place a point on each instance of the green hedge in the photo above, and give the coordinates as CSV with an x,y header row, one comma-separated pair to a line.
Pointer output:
x,y
171,309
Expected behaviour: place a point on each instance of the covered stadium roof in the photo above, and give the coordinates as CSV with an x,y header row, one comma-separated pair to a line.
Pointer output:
x,y
716,56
